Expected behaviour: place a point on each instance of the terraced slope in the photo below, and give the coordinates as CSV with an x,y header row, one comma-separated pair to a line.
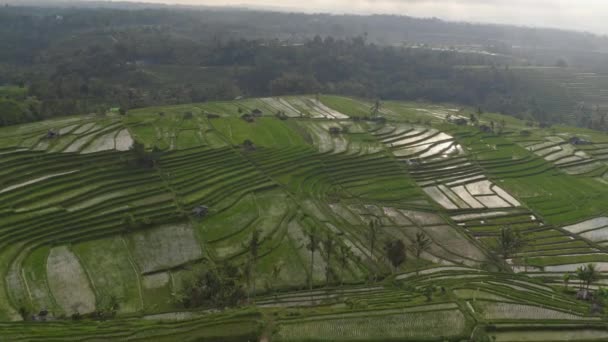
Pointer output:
x,y
82,219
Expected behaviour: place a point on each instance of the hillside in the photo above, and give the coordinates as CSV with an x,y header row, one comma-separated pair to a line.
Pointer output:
x,y
73,60
88,217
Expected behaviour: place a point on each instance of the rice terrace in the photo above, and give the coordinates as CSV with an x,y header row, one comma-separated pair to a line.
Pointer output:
x,y
288,171
341,222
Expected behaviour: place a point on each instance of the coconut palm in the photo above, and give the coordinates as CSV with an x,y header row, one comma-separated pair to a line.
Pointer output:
x,y
375,109
374,230
312,247
509,242
254,246
345,252
276,273
395,253
421,244
587,275
328,246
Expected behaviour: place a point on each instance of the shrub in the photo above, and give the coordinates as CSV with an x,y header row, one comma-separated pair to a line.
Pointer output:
x,y
217,287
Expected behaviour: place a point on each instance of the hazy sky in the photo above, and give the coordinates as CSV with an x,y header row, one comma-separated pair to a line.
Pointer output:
x,y
583,15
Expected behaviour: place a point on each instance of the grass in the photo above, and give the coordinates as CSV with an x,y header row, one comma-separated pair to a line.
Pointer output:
x,y
123,282
129,232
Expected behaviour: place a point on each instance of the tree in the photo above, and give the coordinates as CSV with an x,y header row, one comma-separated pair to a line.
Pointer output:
x,y
275,274
501,126
428,292
122,111
25,310
143,158
395,252
566,279
421,244
345,252
526,261
509,242
473,119
328,246
587,275
248,145
375,109
312,247
107,306
373,231
276,271
216,287
254,247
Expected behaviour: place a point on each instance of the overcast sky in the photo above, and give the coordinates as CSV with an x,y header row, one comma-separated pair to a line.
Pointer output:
x,y
582,15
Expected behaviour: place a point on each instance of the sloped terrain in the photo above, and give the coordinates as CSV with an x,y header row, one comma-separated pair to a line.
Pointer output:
x,y
81,221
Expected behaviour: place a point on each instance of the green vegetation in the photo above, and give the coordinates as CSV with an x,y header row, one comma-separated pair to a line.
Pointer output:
x,y
59,61
282,228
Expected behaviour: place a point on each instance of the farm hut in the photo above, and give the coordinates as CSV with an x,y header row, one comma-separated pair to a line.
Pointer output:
x,y
51,134
200,211
256,112
247,117
584,294
248,145
485,129
578,141
281,115
335,130
460,121
413,162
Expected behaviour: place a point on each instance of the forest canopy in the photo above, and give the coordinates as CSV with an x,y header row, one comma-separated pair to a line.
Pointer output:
x,y
73,60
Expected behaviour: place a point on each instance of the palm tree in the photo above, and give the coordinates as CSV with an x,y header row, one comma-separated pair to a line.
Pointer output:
x,y
328,245
345,252
421,244
312,247
254,246
509,242
581,275
375,109
276,272
395,253
587,275
374,229
526,262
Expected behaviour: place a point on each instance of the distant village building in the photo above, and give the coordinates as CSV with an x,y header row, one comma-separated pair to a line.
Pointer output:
x,y
578,141
413,162
248,117
200,211
459,121
335,130
281,115
485,129
51,134
584,294
248,145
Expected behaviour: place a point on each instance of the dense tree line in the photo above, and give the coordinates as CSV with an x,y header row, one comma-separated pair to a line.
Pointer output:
x,y
90,60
